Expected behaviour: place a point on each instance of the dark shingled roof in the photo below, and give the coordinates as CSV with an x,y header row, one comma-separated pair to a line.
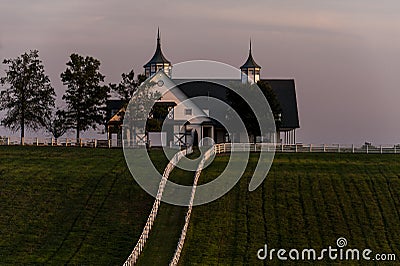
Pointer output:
x,y
202,88
284,89
158,56
250,63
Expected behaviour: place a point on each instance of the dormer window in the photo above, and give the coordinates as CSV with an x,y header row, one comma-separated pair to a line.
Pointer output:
x,y
188,111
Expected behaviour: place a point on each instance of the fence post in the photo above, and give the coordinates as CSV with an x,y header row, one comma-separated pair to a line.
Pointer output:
x,y
310,147
338,147
8,141
381,149
282,145
394,149
37,141
324,148
95,143
367,148
296,147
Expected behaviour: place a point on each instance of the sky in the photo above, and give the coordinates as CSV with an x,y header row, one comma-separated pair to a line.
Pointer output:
x,y
343,54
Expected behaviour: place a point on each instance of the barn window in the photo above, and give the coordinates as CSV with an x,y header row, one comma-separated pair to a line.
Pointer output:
x,y
188,111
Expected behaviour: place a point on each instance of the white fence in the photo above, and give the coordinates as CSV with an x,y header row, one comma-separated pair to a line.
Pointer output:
x,y
333,148
82,142
181,241
131,260
219,148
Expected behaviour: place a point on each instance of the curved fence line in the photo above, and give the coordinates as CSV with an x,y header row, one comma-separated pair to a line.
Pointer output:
x,y
181,241
131,260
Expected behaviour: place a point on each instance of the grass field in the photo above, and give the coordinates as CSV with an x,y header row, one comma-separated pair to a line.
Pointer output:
x,y
81,206
307,201
67,205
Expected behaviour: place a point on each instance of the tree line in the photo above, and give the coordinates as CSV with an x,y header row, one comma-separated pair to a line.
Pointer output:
x,y
28,98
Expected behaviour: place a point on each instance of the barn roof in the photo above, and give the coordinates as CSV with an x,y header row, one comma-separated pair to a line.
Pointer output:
x,y
284,89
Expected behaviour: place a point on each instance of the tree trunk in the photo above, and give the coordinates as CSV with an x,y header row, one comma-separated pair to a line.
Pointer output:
x,y
22,110
22,125
77,133
77,126
22,141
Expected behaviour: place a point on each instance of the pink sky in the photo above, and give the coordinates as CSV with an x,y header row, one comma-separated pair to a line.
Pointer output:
x,y
344,55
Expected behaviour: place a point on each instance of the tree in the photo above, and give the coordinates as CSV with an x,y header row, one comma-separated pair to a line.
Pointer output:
x,y
158,114
244,110
85,97
272,100
128,85
57,125
28,96
139,110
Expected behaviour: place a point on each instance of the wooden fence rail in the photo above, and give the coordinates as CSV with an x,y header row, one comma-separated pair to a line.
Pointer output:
x,y
81,142
293,148
182,238
132,259
219,148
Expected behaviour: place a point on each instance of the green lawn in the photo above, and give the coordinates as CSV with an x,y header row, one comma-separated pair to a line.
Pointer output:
x,y
307,201
81,206
69,205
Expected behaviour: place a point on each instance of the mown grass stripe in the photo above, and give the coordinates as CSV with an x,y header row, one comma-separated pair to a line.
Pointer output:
x,y
277,214
93,218
351,205
77,217
378,186
379,216
264,213
340,198
308,224
391,184
312,213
